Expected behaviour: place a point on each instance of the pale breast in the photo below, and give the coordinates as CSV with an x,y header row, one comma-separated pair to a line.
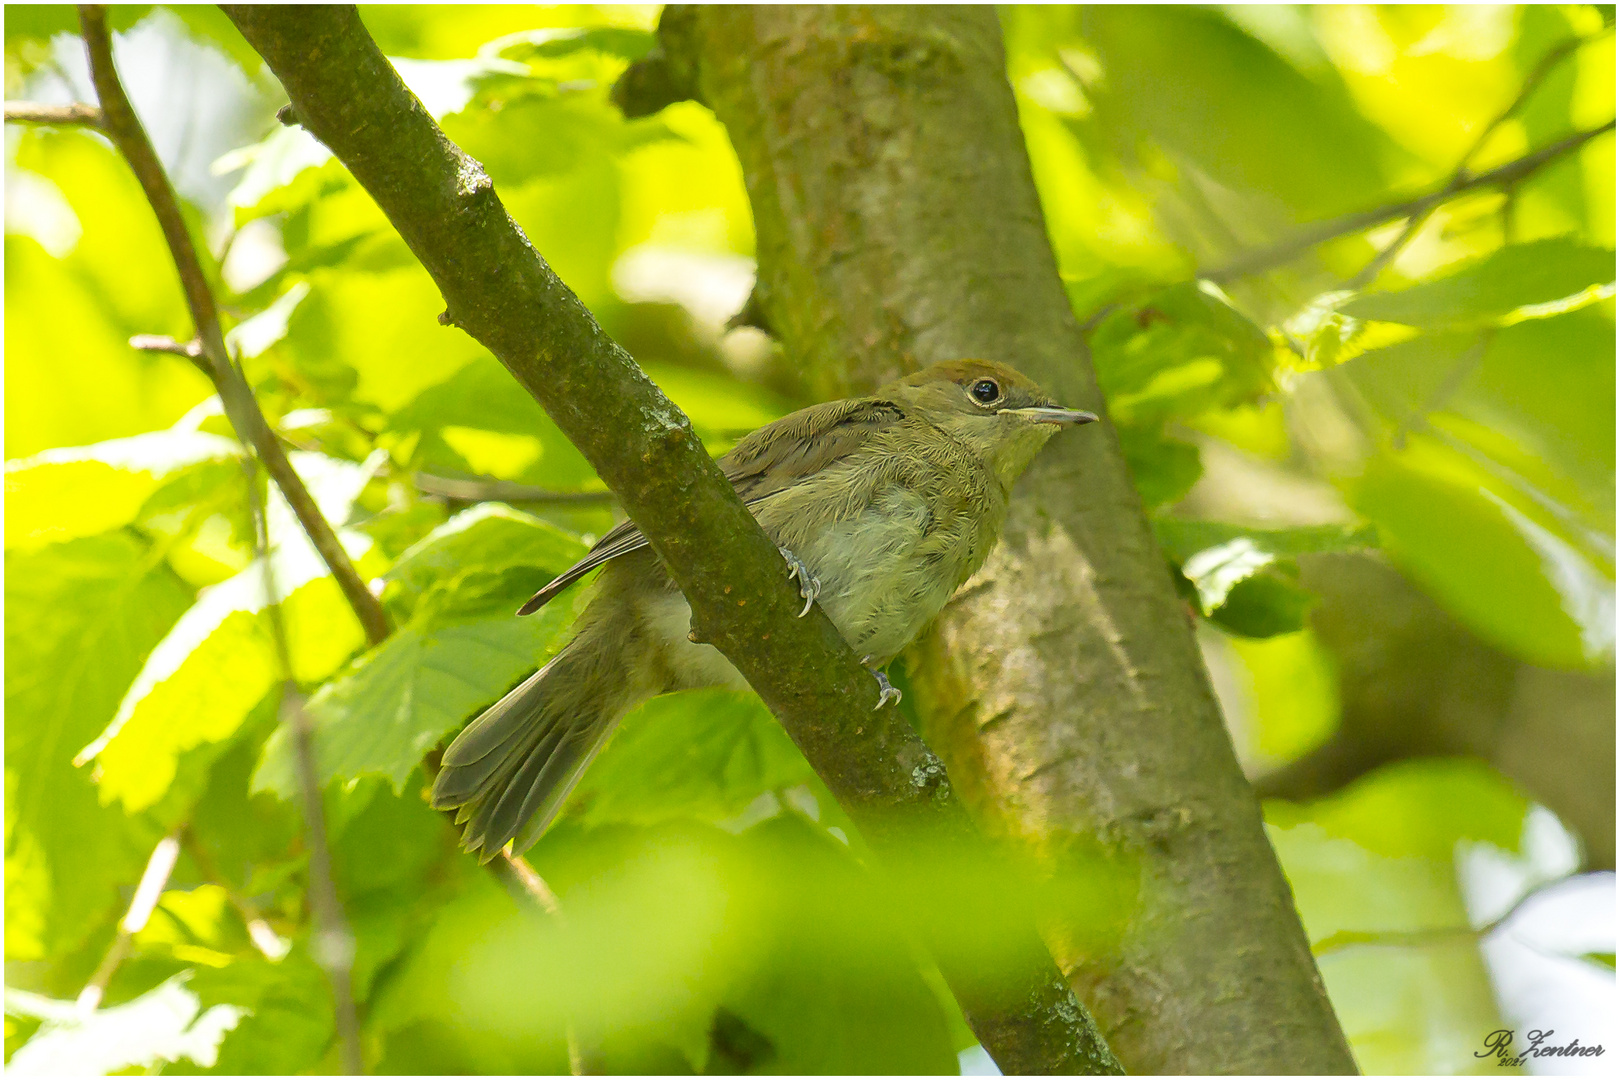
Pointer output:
x,y
887,564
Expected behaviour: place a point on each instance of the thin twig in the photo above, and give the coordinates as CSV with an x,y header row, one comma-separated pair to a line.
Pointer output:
x,y
1505,176
158,868
1436,935
333,942
30,112
1544,67
271,945
124,127
491,490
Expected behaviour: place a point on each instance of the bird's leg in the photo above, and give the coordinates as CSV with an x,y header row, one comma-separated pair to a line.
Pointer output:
x,y
886,690
809,584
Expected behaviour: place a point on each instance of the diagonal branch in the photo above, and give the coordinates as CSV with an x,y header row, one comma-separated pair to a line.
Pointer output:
x,y
124,128
497,288
1460,176
1503,176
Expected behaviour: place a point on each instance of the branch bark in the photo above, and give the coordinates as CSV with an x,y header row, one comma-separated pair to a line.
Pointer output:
x,y
120,123
500,291
1503,176
898,224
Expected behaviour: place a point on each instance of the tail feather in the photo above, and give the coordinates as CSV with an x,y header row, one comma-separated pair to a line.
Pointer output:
x,y
509,772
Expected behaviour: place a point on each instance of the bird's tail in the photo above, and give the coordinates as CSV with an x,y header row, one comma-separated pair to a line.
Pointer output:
x,y
509,771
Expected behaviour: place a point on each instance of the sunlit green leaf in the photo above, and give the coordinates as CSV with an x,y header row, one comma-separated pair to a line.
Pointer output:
x,y
167,1024
79,491
1488,289
81,618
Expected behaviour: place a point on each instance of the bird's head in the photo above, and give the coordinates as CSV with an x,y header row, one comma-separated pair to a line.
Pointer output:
x,y
995,410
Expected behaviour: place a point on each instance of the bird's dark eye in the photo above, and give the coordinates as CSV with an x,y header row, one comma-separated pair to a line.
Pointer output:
x,y
986,392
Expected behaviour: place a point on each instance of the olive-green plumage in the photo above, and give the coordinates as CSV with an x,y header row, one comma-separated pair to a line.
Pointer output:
x,y
891,502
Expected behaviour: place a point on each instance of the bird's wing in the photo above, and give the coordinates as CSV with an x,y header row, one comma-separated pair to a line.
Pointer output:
x,y
767,461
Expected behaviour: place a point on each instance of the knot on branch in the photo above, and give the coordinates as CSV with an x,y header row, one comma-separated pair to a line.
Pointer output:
x,y
753,312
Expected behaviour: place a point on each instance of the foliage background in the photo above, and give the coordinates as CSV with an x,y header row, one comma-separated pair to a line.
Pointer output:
x,y
1456,414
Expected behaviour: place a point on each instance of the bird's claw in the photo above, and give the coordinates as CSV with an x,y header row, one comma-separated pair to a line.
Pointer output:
x,y
809,584
886,690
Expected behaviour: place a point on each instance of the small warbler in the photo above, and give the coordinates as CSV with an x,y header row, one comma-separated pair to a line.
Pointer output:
x,y
883,506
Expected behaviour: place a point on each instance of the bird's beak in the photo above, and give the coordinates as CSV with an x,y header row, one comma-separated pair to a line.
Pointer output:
x,y
1050,414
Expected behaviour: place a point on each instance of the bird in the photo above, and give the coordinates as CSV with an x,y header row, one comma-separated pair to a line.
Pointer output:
x,y
882,506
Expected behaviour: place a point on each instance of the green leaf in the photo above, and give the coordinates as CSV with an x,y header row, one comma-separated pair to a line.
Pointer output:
x,y
624,42
1602,959
837,990
1216,556
1488,289
406,695
1179,352
166,1024
285,1025
1163,469
81,618
210,25
219,660
1219,102
705,754
1489,556
481,543
79,491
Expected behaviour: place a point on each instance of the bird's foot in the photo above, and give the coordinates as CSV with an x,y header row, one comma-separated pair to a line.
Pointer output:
x,y
886,690
809,584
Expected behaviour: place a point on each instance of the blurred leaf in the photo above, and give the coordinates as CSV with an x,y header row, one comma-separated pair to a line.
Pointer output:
x,y
1163,469
705,754
79,491
1479,551
80,620
1219,101
1381,855
626,43
483,396
286,1014
107,391
209,24
384,326
1419,809
1488,289
1293,684
1602,959
167,1024
1179,352
839,991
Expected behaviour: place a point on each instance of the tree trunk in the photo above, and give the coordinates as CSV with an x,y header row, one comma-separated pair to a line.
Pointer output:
x,y
898,224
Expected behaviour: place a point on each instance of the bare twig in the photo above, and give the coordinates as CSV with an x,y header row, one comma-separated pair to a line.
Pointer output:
x,y
29,112
271,945
124,127
1544,67
147,894
1436,935
490,490
333,941
1503,176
